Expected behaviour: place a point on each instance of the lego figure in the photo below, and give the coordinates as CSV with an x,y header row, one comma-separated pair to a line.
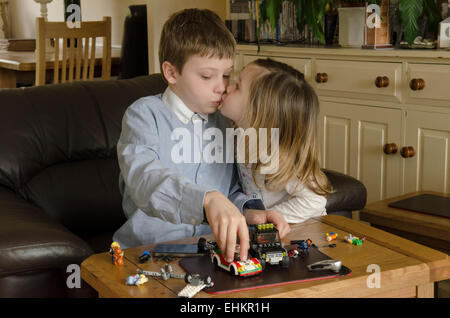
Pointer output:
x,y
138,279
117,254
293,252
354,240
145,257
304,245
331,236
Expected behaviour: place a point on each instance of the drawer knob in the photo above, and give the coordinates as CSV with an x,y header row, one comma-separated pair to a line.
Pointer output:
x,y
382,81
417,84
322,77
408,152
390,148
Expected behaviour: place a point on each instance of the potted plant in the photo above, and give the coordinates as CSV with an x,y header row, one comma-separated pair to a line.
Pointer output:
x,y
311,12
411,10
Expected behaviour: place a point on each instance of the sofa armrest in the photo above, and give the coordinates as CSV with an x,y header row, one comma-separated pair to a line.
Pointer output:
x,y
349,193
30,240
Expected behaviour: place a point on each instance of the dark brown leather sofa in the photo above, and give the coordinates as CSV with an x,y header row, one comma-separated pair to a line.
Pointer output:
x,y
59,195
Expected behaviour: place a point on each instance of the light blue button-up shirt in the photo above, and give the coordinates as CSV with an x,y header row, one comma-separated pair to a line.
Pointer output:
x,y
162,197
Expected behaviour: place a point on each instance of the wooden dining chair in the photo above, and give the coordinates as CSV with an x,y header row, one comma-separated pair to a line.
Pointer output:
x,y
74,54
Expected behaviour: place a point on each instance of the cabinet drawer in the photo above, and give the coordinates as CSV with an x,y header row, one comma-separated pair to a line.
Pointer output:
x,y
358,79
303,65
434,89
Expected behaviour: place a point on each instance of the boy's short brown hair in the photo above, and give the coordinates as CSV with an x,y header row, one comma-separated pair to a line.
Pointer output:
x,y
194,31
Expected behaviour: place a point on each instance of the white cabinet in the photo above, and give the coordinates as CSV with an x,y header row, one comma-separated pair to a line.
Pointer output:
x,y
429,135
353,138
428,85
373,102
357,79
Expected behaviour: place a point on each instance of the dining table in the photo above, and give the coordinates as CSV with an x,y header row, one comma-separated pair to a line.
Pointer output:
x,y
18,68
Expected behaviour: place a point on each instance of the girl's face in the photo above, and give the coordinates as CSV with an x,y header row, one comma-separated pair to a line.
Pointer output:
x,y
236,96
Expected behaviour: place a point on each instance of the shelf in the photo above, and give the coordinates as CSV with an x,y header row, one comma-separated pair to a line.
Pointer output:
x,y
296,49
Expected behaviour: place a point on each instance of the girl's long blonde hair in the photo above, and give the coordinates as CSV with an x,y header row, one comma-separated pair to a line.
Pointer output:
x,y
281,98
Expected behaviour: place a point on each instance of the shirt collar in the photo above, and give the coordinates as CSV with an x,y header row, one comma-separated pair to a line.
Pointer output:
x,y
179,107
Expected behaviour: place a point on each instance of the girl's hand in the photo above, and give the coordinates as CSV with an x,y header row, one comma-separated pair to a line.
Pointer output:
x,y
255,216
268,216
278,220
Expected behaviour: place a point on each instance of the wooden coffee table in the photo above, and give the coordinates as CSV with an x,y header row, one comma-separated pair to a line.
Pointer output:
x,y
408,269
426,229
429,230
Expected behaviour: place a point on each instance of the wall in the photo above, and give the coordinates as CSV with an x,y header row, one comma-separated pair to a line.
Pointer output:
x,y
24,12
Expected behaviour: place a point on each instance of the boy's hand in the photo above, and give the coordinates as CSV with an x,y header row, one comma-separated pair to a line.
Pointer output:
x,y
227,224
268,216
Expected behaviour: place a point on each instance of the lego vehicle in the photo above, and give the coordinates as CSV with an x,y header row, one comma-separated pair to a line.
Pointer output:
x,y
265,245
237,267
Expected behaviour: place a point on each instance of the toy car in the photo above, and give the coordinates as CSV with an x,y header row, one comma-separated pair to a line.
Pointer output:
x,y
246,268
266,246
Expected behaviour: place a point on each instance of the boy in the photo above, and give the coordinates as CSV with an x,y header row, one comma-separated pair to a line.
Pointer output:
x,y
164,199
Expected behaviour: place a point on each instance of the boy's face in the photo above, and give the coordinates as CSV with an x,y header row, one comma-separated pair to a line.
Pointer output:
x,y
237,94
201,83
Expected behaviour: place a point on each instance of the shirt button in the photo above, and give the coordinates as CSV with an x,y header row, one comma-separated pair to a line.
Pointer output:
x,y
193,221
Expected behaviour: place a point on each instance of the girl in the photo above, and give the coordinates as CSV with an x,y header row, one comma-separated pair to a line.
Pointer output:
x,y
270,94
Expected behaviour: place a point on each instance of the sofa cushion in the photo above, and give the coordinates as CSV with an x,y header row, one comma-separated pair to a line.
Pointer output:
x,y
30,240
87,191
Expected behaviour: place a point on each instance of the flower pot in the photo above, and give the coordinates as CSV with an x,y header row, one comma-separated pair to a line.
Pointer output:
x,y
351,26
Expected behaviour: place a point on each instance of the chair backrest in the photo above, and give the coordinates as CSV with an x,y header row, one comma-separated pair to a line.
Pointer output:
x,y
78,57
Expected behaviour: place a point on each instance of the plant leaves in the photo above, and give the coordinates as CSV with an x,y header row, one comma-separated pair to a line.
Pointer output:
x,y
314,13
410,11
431,10
300,14
273,10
